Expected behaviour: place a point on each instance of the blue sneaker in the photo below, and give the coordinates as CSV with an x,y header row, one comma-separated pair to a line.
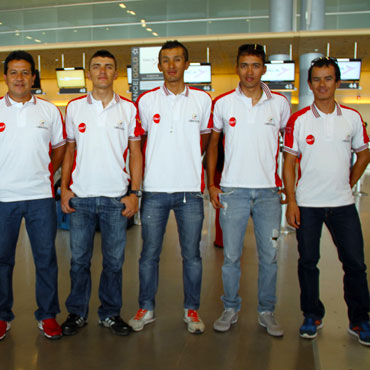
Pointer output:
x,y
309,328
361,331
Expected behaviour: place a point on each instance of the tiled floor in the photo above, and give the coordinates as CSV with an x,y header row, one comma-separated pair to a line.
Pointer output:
x,y
166,344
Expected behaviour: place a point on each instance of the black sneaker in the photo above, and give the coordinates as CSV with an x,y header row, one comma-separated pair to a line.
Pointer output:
x,y
73,324
116,325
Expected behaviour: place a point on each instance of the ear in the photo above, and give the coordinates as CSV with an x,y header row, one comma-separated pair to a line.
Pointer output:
x,y
88,75
337,84
115,75
159,67
264,69
187,64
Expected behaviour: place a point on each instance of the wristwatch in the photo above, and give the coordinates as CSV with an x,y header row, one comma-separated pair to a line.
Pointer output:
x,y
138,193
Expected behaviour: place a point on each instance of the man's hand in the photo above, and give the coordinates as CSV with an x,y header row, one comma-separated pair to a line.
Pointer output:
x,y
213,197
293,215
132,205
66,195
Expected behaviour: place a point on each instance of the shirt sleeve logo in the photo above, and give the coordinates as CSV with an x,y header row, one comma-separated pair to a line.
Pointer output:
x,y
310,139
82,127
2,126
156,118
232,121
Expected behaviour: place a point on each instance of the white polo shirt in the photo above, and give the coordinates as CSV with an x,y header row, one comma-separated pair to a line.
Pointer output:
x,y
174,124
323,143
101,136
28,133
251,137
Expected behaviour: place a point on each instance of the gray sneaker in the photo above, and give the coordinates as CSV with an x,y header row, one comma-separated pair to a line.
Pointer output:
x,y
268,321
228,317
141,318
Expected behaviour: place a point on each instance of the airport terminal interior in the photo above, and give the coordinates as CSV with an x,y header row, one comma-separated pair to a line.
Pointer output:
x,y
64,34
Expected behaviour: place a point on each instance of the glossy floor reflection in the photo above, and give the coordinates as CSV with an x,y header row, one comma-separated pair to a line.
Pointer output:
x,y
166,344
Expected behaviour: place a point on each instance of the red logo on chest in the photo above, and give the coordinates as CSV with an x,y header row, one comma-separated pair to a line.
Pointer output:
x,y
310,139
2,126
156,118
82,127
232,121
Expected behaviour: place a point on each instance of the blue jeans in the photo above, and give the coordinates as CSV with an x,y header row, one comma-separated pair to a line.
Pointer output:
x,y
155,210
40,217
113,238
345,229
264,207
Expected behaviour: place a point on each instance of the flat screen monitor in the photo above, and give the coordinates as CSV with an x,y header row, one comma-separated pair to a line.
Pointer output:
x,y
350,69
198,73
279,71
70,78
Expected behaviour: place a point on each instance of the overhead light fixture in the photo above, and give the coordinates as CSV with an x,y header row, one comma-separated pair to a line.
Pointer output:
x,y
132,12
37,40
1,23
155,34
122,5
29,37
149,29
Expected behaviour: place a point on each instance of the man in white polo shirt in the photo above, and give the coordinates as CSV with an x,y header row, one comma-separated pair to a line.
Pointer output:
x,y
251,117
101,128
32,145
322,137
176,119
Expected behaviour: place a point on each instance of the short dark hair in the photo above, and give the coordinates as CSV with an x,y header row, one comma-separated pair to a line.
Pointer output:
x,y
20,55
172,45
324,62
103,54
251,49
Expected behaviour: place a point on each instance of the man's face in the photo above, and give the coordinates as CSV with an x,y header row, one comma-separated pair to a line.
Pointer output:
x,y
323,84
102,72
19,79
250,69
172,64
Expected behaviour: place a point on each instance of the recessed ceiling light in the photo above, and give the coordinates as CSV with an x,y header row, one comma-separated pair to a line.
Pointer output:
x,y
155,34
149,29
29,37
122,5
37,40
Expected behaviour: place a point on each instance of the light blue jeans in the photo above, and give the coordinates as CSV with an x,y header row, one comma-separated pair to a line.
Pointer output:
x,y
263,205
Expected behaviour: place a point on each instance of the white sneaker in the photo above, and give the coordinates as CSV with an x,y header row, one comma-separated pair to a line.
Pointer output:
x,y
193,321
141,318
268,321
228,317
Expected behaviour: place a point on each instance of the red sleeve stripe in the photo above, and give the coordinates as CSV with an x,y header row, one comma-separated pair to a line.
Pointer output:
x,y
289,129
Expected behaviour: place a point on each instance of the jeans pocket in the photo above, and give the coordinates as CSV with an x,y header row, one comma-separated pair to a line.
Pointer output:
x,y
117,202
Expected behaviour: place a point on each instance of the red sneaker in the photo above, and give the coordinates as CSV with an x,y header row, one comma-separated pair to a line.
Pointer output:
x,y
51,328
4,327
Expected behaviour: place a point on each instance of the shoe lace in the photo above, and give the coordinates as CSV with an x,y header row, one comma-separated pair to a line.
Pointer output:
x,y
193,314
140,313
